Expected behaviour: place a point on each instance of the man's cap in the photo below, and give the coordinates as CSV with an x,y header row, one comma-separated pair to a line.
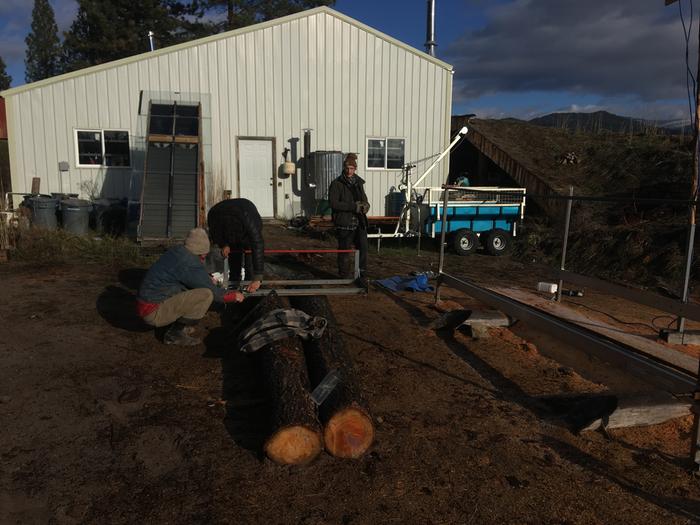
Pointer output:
x,y
197,241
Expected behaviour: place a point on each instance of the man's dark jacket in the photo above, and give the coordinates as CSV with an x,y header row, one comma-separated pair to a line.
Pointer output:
x,y
177,270
236,223
342,196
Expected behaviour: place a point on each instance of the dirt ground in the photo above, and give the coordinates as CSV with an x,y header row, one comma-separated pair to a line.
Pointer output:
x,y
101,423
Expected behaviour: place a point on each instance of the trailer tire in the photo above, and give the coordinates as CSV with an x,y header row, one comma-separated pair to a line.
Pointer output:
x,y
464,241
497,242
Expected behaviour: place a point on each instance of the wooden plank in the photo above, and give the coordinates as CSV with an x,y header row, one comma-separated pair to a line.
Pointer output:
x,y
160,138
36,185
642,410
663,304
649,348
186,139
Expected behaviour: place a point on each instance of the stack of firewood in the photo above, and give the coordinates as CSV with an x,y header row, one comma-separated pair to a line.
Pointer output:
x,y
292,367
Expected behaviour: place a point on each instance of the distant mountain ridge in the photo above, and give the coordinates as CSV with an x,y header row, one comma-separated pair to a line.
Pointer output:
x,y
600,121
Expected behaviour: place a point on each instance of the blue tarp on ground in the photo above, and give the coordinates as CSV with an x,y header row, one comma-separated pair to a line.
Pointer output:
x,y
413,283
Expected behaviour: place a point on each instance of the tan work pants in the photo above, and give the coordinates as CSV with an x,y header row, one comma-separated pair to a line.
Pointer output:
x,y
192,304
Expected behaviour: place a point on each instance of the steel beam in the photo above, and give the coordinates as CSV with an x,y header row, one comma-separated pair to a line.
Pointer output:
x,y
282,292
625,357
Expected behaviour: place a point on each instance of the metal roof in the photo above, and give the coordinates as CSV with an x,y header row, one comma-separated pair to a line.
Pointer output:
x,y
221,36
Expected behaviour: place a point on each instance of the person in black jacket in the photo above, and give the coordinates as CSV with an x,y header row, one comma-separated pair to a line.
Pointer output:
x,y
235,225
350,206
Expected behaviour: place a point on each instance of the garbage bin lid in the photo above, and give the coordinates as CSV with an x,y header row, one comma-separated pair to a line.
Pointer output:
x,y
75,203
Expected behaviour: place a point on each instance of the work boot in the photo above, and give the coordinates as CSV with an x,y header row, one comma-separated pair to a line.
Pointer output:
x,y
362,281
175,335
189,324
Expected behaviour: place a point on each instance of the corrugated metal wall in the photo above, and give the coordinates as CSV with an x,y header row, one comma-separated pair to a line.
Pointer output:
x,y
321,71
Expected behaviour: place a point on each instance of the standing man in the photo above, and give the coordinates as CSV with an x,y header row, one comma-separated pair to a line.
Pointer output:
x,y
235,225
350,206
177,290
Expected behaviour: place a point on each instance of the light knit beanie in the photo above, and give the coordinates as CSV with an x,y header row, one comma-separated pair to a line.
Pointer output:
x,y
197,241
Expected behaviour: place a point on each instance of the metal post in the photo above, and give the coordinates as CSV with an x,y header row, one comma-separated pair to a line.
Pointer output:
x,y
567,222
443,222
688,265
420,230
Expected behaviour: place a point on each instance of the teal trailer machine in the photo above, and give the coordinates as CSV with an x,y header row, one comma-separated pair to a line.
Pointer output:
x,y
474,215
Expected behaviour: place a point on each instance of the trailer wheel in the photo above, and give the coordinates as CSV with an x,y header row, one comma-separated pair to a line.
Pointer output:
x,y
498,242
464,242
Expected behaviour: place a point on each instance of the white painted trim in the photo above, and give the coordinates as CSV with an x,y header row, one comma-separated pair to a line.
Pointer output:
x,y
102,142
386,152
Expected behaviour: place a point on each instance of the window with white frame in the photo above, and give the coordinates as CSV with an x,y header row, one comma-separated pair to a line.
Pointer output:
x,y
102,147
385,153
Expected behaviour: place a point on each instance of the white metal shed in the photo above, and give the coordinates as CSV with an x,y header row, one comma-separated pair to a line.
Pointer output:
x,y
257,88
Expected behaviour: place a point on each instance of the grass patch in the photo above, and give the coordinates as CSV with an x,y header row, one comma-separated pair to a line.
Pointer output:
x,y
43,247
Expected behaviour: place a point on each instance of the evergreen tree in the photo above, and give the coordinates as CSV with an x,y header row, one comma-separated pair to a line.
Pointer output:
x,y
43,46
240,13
106,30
5,79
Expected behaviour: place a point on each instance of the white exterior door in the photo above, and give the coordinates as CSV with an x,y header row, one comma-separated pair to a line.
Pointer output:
x,y
256,177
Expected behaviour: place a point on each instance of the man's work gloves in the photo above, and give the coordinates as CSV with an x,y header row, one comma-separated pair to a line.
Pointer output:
x,y
361,207
233,297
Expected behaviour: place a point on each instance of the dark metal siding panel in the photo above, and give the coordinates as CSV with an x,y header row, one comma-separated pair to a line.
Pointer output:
x,y
156,190
184,203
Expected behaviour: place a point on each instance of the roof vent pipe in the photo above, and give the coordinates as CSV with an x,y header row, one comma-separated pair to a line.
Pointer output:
x,y
150,41
430,30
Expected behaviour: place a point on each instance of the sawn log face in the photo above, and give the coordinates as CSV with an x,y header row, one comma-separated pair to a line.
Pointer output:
x,y
295,436
348,428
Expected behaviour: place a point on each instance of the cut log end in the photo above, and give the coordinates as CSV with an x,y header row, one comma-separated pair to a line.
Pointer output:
x,y
349,433
295,445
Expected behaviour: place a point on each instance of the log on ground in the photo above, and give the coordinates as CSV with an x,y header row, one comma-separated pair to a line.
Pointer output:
x,y
348,429
296,432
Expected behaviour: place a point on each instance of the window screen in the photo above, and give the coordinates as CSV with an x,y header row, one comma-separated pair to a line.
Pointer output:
x,y
395,153
89,147
386,153
162,119
375,153
116,148
187,120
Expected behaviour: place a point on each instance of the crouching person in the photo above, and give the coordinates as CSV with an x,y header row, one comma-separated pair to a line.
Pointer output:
x,y
177,290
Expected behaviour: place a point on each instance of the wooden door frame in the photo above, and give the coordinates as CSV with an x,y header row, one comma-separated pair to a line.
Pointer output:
x,y
274,169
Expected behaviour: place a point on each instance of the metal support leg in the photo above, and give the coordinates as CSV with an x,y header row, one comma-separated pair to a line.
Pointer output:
x,y
686,279
357,264
567,222
443,222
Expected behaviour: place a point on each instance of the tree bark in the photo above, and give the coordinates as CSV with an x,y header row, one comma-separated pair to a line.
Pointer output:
x,y
348,428
296,432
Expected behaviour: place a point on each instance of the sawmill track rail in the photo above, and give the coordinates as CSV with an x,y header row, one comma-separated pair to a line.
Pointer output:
x,y
653,370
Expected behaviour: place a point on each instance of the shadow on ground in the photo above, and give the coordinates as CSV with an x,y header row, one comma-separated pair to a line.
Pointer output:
x,y
247,411
117,306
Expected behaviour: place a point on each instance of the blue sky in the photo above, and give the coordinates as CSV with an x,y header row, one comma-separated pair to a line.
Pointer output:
x,y
520,58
